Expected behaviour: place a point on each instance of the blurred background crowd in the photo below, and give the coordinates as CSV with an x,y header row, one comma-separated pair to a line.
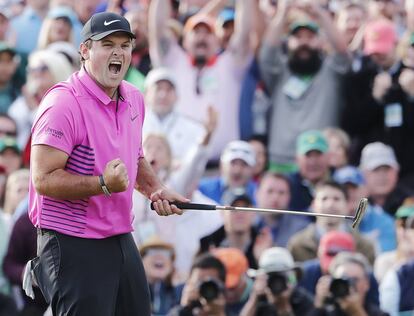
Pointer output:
x,y
283,104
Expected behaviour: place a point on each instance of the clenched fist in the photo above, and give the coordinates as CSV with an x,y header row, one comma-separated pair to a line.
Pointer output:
x,y
382,83
116,176
406,80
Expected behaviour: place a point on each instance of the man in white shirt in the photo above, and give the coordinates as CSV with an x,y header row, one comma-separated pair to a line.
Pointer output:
x,y
182,132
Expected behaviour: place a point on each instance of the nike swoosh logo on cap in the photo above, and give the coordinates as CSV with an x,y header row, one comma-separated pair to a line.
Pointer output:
x,y
110,22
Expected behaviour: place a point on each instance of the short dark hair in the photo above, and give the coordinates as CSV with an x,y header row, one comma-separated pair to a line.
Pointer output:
x,y
88,43
332,184
208,261
275,175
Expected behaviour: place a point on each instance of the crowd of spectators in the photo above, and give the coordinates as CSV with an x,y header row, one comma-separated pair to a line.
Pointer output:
x,y
282,104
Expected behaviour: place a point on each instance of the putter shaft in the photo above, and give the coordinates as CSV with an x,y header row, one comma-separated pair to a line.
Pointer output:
x,y
265,210
356,219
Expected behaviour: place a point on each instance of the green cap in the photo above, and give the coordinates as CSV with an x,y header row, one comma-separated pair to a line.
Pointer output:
x,y
4,47
9,143
405,211
312,26
311,140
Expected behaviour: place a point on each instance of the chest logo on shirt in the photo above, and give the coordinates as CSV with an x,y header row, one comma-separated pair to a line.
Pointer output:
x,y
134,117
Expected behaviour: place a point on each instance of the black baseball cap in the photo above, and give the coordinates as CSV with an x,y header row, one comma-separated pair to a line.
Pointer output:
x,y
103,24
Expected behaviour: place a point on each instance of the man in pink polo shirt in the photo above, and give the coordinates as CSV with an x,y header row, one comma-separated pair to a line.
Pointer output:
x,y
86,160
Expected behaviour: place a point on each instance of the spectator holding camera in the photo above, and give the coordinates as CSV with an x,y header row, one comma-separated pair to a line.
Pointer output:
x,y
330,245
275,290
203,293
344,291
238,286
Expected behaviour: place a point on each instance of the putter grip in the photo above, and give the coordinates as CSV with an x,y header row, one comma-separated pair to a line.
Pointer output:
x,y
192,206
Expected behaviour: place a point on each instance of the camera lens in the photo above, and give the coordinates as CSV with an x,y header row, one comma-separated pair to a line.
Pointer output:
x,y
339,288
210,290
277,283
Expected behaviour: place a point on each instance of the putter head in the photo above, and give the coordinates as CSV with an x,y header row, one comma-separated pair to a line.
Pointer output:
x,y
362,206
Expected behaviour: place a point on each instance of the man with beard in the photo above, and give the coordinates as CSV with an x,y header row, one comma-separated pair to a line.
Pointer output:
x,y
204,77
305,85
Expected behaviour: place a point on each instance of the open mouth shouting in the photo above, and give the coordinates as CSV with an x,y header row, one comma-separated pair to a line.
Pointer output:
x,y
115,67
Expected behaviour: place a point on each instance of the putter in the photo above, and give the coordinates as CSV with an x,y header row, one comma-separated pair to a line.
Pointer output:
x,y
356,219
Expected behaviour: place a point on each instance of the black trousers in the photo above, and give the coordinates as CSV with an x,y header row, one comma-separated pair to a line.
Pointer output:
x,y
91,277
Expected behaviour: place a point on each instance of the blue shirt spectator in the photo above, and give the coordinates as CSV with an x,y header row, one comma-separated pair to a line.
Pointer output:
x,y
246,101
286,226
28,21
215,188
236,173
379,227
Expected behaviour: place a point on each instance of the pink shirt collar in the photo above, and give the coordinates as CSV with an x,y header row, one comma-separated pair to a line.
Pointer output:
x,y
94,89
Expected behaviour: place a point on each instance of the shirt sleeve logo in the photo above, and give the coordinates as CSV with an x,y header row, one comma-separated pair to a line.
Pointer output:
x,y
54,132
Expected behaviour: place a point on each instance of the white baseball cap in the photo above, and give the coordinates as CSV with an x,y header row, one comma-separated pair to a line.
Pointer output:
x,y
377,154
275,259
159,74
239,149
